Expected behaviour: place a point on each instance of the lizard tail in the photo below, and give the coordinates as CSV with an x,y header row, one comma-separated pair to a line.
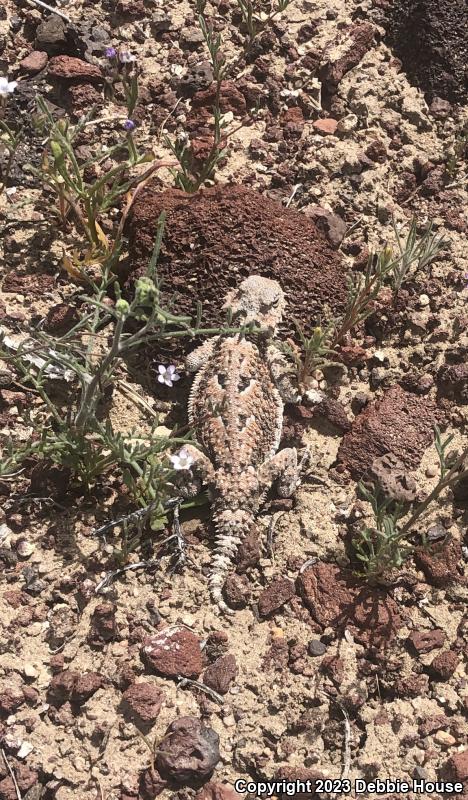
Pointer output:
x,y
231,528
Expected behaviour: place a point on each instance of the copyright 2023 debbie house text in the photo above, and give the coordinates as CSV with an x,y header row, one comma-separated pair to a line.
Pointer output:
x,y
358,787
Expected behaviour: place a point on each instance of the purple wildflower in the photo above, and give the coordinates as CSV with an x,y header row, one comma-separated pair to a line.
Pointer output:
x,y
110,52
129,125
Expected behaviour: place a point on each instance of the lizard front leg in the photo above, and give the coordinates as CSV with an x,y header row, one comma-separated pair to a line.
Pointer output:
x,y
281,373
198,472
199,357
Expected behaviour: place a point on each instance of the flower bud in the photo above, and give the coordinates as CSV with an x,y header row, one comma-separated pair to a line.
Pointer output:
x,y
122,308
57,151
145,290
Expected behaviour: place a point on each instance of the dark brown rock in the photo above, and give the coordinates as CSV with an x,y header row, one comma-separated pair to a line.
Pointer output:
x,y
439,562
10,699
74,687
453,381
151,784
103,624
188,753
34,62
248,554
411,686
174,652
376,151
15,598
61,686
336,599
216,237
444,665
299,774
333,226
73,69
217,791
80,98
293,123
275,596
426,640
52,35
85,686
335,413
143,701
400,423
230,99
433,724
25,778
457,766
237,591
333,667
221,673
439,108
429,36
345,54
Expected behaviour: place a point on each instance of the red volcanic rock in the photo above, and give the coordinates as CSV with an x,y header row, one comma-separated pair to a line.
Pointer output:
x,y
275,596
144,700
221,673
70,68
400,423
174,652
345,54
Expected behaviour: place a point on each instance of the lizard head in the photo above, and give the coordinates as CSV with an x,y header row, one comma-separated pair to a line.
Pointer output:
x,y
257,300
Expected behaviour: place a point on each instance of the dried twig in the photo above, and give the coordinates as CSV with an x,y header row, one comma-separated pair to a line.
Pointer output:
x,y
111,576
291,197
134,516
179,558
347,744
307,564
210,692
270,534
53,10
12,776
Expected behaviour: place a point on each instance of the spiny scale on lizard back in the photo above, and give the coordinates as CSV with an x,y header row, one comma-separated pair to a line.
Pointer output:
x,y
235,408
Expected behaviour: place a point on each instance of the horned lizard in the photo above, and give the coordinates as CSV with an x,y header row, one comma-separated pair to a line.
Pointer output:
x,y
236,410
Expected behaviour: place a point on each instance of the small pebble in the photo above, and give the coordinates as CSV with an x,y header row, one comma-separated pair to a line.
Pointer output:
x,y
24,548
431,472
424,300
316,647
444,739
30,671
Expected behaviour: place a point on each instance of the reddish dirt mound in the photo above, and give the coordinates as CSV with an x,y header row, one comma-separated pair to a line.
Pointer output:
x,y
217,237
430,38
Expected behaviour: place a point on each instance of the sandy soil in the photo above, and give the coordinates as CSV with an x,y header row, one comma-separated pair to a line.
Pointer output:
x,y
285,711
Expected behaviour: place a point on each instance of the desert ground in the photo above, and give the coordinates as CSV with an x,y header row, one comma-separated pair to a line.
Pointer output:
x,y
340,126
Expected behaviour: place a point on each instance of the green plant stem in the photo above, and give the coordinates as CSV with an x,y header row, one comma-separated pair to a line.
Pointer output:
x,y
445,482
93,388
